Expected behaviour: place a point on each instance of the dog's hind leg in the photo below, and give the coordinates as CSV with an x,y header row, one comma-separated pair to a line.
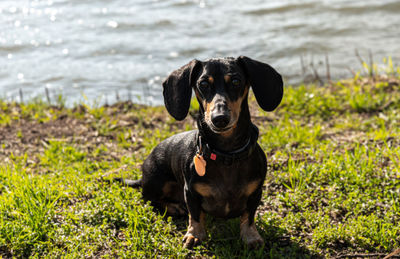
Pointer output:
x,y
163,191
171,199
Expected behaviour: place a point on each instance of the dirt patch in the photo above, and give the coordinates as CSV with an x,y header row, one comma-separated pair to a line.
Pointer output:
x,y
79,127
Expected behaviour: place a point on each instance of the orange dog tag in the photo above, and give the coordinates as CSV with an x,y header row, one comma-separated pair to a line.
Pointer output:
x,y
199,164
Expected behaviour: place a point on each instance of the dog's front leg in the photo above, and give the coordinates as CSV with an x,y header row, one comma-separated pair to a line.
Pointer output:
x,y
196,230
248,231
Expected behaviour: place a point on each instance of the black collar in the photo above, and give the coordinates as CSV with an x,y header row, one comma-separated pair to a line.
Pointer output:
x,y
227,158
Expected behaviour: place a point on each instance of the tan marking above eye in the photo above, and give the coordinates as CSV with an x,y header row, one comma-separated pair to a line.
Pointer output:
x,y
227,78
211,79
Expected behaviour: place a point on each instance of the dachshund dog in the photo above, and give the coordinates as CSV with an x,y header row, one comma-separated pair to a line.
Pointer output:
x,y
218,169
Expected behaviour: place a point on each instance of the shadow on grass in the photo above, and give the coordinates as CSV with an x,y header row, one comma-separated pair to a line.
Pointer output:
x,y
223,241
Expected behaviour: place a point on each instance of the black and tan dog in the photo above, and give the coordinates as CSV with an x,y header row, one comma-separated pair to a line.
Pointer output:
x,y
218,169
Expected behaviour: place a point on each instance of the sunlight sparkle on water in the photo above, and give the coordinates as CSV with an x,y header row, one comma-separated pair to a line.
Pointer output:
x,y
112,24
12,9
25,10
173,54
34,43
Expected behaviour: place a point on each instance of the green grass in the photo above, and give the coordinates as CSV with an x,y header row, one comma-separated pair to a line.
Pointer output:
x,y
333,183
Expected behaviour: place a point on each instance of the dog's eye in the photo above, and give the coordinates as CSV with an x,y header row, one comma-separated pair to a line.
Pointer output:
x,y
235,82
204,83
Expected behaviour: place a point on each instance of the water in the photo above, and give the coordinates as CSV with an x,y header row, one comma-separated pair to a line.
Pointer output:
x,y
91,50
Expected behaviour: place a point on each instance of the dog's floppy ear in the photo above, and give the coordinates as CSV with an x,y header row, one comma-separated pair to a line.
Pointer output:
x,y
267,84
178,89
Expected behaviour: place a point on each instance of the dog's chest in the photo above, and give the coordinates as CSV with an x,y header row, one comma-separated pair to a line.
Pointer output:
x,y
225,192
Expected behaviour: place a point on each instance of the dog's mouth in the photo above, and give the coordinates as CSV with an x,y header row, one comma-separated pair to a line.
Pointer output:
x,y
220,130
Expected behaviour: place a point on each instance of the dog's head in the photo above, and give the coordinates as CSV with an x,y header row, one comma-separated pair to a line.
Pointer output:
x,y
220,86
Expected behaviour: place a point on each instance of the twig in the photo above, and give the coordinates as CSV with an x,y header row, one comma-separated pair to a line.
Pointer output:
x,y
316,75
113,171
360,255
351,71
146,93
47,94
303,66
359,57
21,96
393,254
371,62
117,96
328,71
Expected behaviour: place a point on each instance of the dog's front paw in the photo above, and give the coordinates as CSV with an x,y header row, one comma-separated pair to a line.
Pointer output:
x,y
254,242
250,235
196,232
190,240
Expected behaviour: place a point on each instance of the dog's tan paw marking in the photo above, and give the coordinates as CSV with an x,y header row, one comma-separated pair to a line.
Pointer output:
x,y
190,241
193,237
196,233
249,233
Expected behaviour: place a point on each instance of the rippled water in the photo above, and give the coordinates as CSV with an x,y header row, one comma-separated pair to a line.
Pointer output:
x,y
96,48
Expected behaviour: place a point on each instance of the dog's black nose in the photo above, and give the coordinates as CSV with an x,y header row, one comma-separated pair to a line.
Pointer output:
x,y
220,120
